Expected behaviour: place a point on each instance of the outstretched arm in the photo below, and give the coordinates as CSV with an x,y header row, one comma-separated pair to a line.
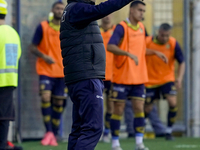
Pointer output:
x,y
83,13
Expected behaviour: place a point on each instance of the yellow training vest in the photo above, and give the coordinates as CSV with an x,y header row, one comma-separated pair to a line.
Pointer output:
x,y
10,52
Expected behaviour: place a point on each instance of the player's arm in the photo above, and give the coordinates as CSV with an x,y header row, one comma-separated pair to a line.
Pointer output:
x,y
36,52
181,67
181,72
35,42
115,41
153,52
82,14
157,53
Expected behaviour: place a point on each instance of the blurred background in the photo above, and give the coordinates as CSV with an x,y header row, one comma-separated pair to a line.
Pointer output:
x,y
183,15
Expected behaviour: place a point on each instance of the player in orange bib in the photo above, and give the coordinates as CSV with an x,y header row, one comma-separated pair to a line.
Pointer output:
x,y
129,72
161,75
107,29
46,46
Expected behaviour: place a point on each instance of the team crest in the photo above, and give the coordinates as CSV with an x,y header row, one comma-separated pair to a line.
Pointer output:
x,y
148,99
141,30
42,86
115,94
168,46
63,16
173,88
111,32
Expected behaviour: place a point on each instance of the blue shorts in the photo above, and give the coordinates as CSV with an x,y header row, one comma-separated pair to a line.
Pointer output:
x,y
107,87
56,86
121,92
156,93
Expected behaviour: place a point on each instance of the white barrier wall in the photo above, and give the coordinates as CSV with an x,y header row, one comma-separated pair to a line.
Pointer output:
x,y
196,71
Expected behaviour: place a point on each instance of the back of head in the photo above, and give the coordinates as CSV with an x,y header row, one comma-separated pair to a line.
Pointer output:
x,y
165,27
3,9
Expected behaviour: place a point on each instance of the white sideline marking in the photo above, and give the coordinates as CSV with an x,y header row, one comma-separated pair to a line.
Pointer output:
x,y
186,146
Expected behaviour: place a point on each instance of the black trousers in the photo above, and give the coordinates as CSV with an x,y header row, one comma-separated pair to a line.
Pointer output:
x,y
4,125
6,113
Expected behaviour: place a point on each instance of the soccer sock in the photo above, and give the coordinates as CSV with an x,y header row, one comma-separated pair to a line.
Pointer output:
x,y
56,115
115,143
171,118
139,126
46,112
107,124
115,126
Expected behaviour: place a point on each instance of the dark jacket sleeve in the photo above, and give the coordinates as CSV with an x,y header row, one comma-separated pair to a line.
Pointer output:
x,y
82,13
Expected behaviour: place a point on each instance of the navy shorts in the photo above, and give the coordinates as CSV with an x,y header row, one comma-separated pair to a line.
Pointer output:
x,y
56,86
121,92
107,87
156,93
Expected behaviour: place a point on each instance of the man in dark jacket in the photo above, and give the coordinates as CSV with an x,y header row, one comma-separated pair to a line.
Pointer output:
x,y
83,55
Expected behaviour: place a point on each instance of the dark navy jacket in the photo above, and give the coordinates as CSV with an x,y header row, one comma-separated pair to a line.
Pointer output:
x,y
82,46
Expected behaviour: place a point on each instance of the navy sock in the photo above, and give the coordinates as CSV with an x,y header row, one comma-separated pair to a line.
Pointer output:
x,y
46,112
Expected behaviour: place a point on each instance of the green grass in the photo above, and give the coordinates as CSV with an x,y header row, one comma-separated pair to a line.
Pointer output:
x,y
128,144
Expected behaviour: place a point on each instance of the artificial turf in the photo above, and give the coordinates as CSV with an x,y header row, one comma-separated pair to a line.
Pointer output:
x,y
128,144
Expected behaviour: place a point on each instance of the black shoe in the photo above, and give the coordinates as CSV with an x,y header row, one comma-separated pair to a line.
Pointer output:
x,y
131,135
169,137
11,146
160,135
14,148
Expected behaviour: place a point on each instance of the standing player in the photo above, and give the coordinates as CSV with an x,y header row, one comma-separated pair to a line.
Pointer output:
x,y
153,116
10,52
46,46
129,76
129,73
161,75
84,61
107,29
